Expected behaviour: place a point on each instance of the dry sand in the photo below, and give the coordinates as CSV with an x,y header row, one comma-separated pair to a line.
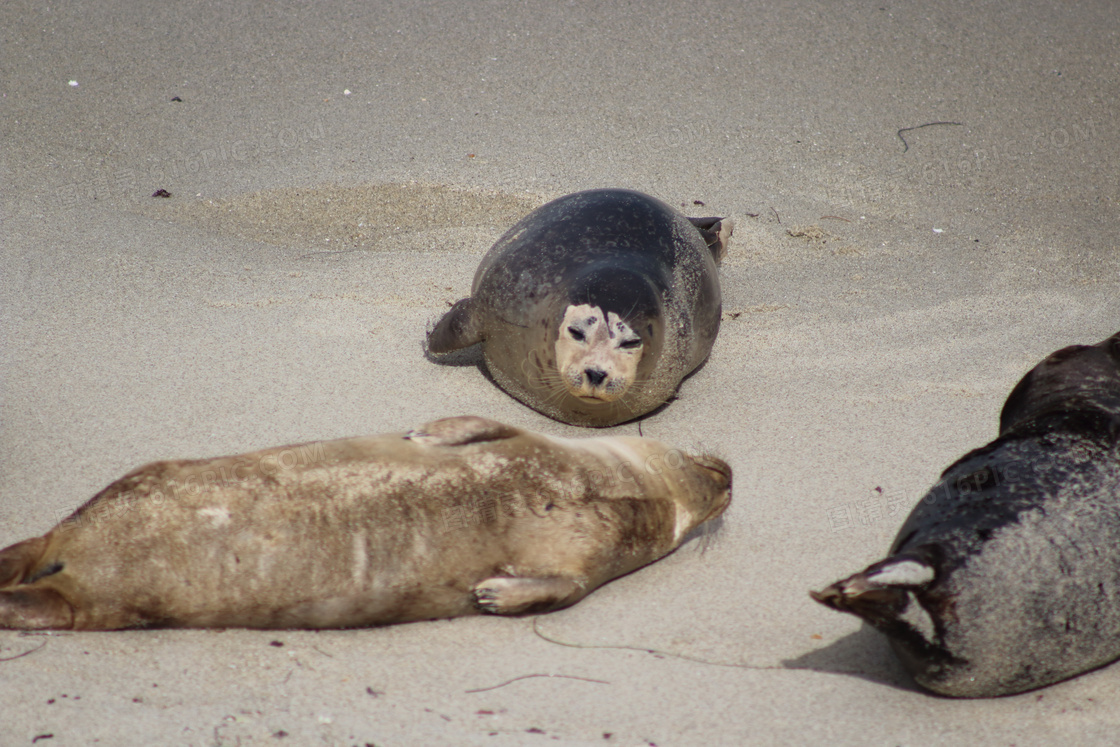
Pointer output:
x,y
336,173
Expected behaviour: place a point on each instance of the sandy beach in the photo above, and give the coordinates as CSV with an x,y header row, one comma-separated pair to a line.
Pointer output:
x,y
926,205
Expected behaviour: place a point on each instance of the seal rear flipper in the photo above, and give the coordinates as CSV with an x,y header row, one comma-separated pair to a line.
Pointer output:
x,y
717,234
511,596
460,431
457,329
880,594
32,608
885,595
17,560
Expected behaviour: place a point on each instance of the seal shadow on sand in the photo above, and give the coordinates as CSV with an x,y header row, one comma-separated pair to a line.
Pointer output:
x,y
864,654
328,218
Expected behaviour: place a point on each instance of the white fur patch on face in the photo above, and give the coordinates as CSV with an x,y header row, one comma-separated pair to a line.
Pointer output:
x,y
597,354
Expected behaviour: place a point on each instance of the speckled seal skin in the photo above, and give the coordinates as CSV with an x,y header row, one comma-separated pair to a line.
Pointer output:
x,y
594,307
460,516
1006,577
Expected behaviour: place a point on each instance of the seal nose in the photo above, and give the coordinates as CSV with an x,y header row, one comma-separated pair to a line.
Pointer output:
x,y
595,376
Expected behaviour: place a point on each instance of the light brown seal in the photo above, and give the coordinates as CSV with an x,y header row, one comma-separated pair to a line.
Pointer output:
x,y
594,307
459,516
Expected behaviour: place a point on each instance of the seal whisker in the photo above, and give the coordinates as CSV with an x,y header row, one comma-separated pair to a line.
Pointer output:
x,y
553,386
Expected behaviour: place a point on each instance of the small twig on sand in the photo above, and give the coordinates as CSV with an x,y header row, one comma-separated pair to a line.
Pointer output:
x,y
25,653
652,651
906,145
529,676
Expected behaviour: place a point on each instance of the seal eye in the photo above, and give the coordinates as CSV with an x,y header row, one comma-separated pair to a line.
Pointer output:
x,y
576,334
631,344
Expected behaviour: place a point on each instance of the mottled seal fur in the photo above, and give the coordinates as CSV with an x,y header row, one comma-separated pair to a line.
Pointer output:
x,y
461,516
594,307
1006,577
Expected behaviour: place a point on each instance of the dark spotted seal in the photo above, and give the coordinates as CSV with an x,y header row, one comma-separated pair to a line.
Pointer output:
x,y
1006,577
460,516
593,307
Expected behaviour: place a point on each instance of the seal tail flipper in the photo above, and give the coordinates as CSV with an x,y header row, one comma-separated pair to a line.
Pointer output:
x,y
717,234
880,591
32,608
511,596
457,329
17,560
884,594
891,596
459,431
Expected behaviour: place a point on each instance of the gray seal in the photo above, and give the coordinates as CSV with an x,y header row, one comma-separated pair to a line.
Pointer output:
x,y
1006,576
461,516
594,307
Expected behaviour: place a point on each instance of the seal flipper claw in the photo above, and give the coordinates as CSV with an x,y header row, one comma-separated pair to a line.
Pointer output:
x,y
456,329
459,431
510,596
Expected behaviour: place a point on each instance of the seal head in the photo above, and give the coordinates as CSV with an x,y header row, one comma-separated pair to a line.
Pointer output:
x,y
609,336
594,307
1004,578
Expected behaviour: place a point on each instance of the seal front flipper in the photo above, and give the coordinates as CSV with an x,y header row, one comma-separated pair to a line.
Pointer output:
x,y
458,328
717,234
17,561
22,605
33,608
459,431
511,596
